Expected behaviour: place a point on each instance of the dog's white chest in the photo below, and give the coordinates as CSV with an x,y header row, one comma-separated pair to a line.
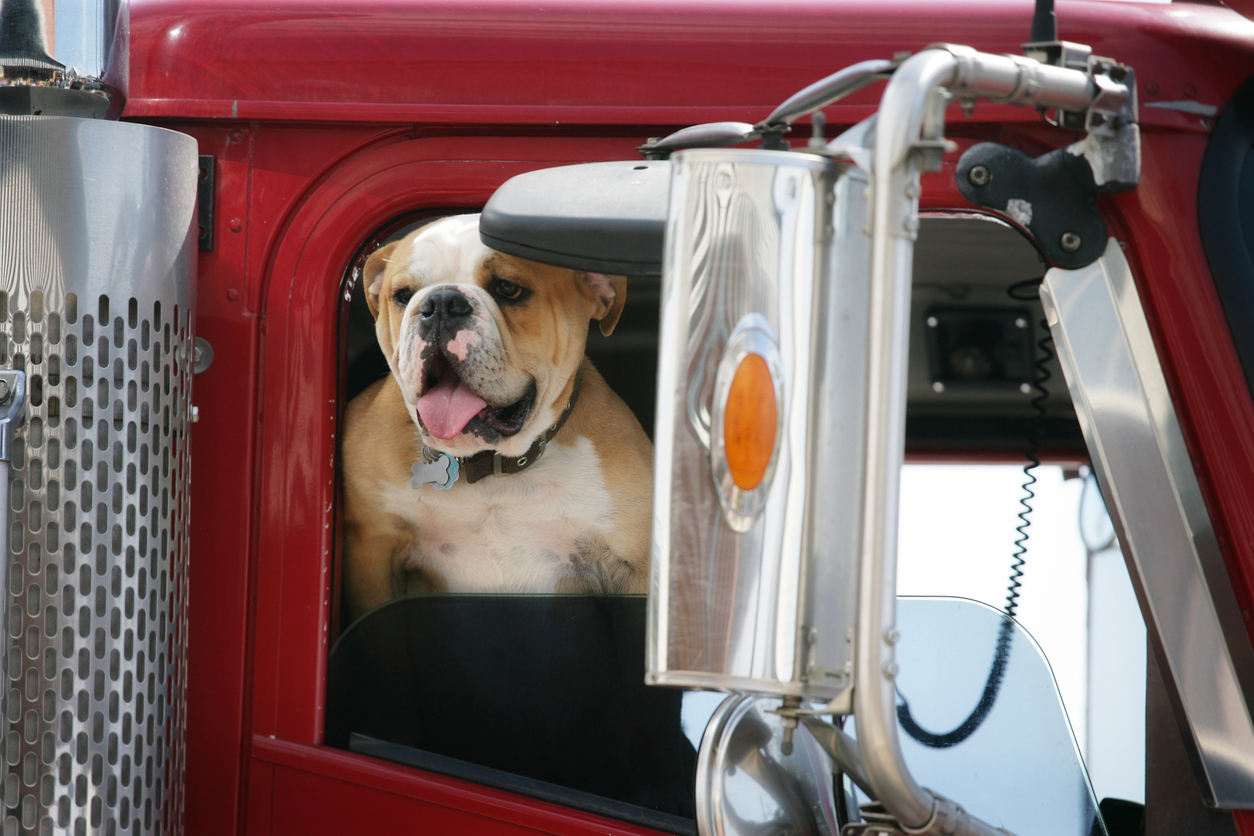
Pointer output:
x,y
524,532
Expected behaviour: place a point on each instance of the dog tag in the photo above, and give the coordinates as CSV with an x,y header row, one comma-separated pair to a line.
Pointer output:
x,y
441,474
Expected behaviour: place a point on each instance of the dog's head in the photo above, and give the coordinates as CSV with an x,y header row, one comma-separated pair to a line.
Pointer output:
x,y
485,346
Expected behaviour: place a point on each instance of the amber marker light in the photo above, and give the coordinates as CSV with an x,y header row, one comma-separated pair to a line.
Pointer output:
x,y
750,422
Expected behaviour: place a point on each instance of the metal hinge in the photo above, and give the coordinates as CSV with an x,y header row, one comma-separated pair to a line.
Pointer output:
x,y
204,203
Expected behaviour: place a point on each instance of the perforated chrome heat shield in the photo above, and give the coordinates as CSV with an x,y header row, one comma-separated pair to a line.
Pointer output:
x,y
96,269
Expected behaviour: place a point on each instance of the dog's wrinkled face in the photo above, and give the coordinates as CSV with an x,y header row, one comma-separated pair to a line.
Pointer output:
x,y
484,345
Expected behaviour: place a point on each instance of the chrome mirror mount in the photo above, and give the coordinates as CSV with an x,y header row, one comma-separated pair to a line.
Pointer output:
x,y
907,139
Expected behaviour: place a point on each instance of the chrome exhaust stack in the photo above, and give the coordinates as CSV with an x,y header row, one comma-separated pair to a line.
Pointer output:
x,y
97,307
97,310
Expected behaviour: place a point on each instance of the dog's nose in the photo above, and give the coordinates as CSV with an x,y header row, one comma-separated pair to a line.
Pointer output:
x,y
446,305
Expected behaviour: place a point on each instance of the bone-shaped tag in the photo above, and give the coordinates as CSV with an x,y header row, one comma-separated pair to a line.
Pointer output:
x,y
441,474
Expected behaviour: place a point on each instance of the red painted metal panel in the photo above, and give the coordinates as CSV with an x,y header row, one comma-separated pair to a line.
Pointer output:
x,y
590,62
259,798
221,532
326,791
1245,7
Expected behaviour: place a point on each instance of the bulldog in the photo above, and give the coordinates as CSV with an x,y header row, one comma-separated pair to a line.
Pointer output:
x,y
494,457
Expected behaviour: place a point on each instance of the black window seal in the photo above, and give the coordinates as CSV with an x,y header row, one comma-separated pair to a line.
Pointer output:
x,y
1220,203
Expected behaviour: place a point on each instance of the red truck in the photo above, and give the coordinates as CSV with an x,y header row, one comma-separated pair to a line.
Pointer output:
x,y
324,129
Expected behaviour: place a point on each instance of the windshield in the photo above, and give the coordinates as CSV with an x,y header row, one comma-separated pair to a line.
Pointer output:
x,y
1020,769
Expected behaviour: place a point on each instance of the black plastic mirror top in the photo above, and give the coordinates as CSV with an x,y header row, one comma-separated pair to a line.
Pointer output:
x,y
600,217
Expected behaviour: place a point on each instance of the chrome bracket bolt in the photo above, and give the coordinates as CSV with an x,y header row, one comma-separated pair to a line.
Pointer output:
x,y
202,356
1070,242
788,718
979,175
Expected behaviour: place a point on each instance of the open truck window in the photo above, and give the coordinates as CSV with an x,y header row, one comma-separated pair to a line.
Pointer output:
x,y
540,694
543,694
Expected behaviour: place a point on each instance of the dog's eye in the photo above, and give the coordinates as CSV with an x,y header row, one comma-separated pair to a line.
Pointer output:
x,y
402,296
508,290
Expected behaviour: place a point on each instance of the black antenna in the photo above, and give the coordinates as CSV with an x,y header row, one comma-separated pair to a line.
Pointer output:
x,y
1044,25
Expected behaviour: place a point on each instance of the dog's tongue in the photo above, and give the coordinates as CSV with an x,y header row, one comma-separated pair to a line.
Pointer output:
x,y
448,407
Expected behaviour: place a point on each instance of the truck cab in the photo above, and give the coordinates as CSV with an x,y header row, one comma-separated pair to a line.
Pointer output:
x,y
323,131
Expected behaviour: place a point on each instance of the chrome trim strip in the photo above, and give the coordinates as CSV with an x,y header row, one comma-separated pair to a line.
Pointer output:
x,y
1152,493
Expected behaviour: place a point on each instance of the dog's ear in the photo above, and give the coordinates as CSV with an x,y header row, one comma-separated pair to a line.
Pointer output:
x,y
372,275
610,293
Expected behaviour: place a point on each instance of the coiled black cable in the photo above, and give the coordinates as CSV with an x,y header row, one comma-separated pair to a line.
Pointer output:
x,y
1025,292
